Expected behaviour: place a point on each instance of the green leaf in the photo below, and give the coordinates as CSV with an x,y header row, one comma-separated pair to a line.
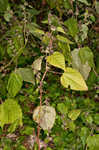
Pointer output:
x,y
67,4
54,21
14,84
57,59
51,3
45,115
34,29
26,74
27,130
46,39
72,26
60,29
89,119
62,108
84,2
93,142
97,62
84,134
10,112
7,147
7,16
84,69
65,48
72,126
86,55
73,79
13,126
21,147
64,39
96,118
91,79
73,115
48,148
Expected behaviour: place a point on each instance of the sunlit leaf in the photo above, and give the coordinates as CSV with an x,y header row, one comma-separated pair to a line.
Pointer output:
x,y
60,29
64,39
84,2
14,84
10,112
13,126
37,63
73,79
45,115
57,59
73,114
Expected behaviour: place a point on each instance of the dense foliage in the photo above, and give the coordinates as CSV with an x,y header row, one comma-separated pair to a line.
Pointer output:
x,y
49,66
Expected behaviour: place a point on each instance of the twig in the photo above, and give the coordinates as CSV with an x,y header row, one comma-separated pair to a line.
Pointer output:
x,y
55,72
41,90
3,67
95,72
41,83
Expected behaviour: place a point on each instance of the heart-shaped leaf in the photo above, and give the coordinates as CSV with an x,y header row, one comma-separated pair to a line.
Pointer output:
x,y
73,79
45,115
73,115
86,55
26,74
84,69
57,59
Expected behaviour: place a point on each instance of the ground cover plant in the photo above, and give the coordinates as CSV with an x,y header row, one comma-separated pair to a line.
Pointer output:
x,y
49,83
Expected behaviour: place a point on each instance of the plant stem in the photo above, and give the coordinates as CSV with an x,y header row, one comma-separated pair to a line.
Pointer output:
x,y
41,90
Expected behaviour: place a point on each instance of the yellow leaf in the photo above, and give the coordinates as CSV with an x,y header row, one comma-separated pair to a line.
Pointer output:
x,y
57,59
74,79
